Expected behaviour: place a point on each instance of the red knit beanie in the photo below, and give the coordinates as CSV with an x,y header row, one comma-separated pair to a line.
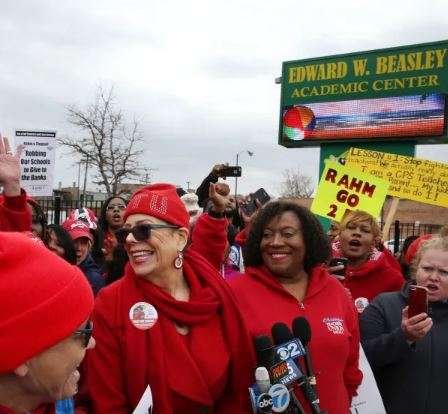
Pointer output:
x,y
43,299
415,246
161,201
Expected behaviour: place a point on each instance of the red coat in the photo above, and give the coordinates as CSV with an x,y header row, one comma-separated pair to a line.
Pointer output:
x,y
334,327
117,373
372,278
14,213
380,273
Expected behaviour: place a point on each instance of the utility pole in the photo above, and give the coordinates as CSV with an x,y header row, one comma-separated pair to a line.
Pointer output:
x,y
85,183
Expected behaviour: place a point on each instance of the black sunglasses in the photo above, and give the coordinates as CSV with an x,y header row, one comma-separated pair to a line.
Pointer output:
x,y
141,232
85,333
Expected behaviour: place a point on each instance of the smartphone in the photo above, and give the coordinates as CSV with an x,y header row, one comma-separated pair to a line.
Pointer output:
x,y
337,261
418,300
250,207
230,171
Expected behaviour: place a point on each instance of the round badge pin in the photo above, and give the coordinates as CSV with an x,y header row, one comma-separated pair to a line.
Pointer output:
x,y
143,315
361,303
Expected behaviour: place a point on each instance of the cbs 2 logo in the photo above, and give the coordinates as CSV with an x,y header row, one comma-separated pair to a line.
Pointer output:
x,y
290,350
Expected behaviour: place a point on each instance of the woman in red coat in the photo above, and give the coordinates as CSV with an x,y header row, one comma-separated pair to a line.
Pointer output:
x,y
284,279
171,322
369,271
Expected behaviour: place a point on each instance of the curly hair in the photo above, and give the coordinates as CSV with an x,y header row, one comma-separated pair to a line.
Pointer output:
x,y
317,246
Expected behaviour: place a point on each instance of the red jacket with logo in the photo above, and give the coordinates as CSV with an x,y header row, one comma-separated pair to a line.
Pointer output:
x,y
334,344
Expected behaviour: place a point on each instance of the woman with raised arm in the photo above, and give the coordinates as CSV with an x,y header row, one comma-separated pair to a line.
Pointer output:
x,y
171,323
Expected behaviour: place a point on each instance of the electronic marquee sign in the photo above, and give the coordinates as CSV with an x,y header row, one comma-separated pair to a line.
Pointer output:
x,y
397,94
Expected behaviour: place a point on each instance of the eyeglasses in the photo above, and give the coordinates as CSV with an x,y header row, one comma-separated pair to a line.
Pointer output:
x,y
85,333
111,207
141,232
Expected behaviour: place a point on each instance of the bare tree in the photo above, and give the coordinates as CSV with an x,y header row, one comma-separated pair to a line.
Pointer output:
x,y
110,144
296,184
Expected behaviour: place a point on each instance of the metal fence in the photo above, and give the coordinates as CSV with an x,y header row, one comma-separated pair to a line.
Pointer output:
x,y
400,231
58,209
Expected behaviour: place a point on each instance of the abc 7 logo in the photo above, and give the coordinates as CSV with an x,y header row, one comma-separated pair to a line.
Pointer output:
x,y
264,403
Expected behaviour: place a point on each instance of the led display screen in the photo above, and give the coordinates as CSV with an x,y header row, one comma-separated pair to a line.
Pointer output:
x,y
388,118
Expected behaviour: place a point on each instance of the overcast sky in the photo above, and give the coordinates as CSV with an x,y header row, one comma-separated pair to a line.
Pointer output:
x,y
200,74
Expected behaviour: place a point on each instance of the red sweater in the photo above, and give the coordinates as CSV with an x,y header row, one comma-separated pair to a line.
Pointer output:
x,y
334,342
14,213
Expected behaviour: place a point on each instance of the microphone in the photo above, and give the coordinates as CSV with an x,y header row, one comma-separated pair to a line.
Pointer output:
x,y
264,351
286,372
288,346
302,330
260,400
262,379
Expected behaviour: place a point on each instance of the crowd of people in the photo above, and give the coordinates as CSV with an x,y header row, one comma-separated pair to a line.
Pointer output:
x,y
168,291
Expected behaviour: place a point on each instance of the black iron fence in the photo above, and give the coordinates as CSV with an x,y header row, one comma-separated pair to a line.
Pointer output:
x,y
57,209
400,231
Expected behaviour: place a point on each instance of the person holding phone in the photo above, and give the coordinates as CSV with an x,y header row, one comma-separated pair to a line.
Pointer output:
x,y
408,351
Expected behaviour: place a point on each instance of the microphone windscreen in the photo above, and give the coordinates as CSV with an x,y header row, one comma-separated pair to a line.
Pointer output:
x,y
281,333
302,330
263,345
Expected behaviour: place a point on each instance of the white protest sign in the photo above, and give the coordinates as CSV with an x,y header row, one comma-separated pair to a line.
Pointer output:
x,y
145,404
37,161
368,400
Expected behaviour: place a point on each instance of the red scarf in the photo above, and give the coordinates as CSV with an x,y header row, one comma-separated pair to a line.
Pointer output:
x,y
219,347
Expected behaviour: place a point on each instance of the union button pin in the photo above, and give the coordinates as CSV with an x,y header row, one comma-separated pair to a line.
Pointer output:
x,y
143,315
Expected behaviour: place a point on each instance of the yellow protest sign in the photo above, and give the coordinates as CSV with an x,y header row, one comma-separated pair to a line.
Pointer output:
x,y
411,178
341,188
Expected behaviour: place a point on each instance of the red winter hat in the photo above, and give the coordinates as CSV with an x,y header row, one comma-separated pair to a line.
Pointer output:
x,y
161,201
77,229
43,299
415,246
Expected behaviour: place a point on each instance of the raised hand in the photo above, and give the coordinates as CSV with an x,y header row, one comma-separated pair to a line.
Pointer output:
x,y
9,168
219,194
